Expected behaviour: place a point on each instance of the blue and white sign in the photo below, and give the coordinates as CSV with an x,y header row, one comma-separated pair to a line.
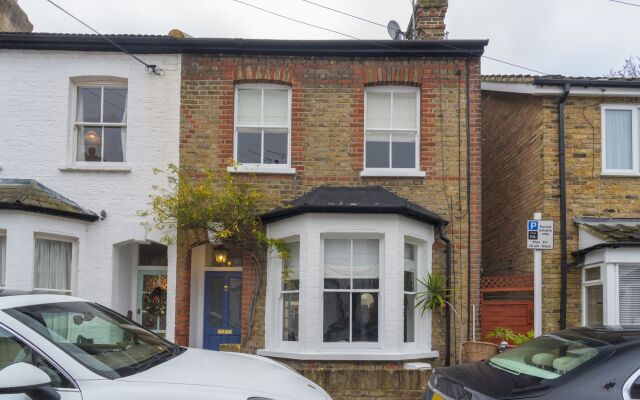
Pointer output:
x,y
539,235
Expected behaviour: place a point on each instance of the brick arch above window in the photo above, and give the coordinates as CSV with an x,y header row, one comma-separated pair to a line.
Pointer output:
x,y
265,73
393,76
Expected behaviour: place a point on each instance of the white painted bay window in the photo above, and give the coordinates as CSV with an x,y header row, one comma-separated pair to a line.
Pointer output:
x,y
620,142
611,294
262,140
52,265
100,126
347,291
392,132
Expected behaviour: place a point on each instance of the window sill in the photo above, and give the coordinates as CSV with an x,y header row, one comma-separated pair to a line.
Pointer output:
x,y
620,174
96,168
361,355
262,169
394,173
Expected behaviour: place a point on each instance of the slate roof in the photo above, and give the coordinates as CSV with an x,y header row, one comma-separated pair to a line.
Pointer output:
x,y
356,200
612,230
560,80
30,195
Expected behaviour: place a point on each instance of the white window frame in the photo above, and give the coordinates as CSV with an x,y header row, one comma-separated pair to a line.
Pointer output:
x,y
381,292
635,142
416,317
95,81
282,292
260,168
74,263
595,282
390,171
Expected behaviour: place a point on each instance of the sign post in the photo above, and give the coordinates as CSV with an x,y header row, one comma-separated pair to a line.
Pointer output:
x,y
539,237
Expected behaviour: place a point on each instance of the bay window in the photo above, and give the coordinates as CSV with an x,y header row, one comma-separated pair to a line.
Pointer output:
x,y
611,294
347,290
100,123
629,294
351,288
620,155
593,296
52,265
392,139
262,128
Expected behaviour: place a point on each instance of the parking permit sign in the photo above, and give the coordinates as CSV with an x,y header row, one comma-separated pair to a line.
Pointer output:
x,y
539,234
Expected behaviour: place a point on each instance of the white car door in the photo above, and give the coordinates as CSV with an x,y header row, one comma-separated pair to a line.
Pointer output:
x,y
15,350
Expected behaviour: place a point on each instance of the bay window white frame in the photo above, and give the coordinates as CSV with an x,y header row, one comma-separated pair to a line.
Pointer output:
x,y
261,168
311,229
610,281
390,171
94,82
73,268
635,141
380,290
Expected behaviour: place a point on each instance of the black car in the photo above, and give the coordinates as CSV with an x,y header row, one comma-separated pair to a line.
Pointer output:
x,y
584,363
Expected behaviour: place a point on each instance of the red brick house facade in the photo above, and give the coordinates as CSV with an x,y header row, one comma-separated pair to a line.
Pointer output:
x,y
332,126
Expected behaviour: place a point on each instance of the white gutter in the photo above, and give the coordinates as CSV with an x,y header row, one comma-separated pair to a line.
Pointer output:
x,y
530,88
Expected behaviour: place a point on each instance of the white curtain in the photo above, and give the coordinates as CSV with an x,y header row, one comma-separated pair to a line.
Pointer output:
x,y
249,107
3,259
618,136
629,295
337,258
366,258
378,110
404,110
276,105
52,265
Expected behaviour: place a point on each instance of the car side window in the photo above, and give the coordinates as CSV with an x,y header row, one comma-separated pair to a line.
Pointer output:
x,y
634,391
13,350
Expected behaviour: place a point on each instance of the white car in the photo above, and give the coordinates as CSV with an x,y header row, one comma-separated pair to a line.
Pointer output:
x,y
61,347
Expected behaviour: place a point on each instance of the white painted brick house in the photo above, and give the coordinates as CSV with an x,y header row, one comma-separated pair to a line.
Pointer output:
x,y
91,126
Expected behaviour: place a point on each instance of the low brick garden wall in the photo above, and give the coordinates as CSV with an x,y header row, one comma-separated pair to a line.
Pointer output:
x,y
370,384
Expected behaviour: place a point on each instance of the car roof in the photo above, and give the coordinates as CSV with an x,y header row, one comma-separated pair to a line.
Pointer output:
x,y
613,335
10,298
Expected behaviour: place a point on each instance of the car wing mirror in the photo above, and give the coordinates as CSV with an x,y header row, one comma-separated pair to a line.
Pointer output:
x,y
28,379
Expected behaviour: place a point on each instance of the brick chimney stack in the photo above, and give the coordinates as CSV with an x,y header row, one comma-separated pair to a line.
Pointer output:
x,y
13,18
430,16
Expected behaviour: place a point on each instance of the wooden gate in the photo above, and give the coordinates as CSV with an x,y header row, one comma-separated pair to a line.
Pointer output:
x,y
513,310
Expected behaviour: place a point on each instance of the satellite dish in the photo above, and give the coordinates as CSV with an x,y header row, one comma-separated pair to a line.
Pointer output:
x,y
394,30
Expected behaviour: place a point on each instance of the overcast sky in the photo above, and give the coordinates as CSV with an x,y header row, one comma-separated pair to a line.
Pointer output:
x,y
570,37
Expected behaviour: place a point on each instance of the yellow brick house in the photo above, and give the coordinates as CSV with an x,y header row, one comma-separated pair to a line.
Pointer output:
x,y
569,149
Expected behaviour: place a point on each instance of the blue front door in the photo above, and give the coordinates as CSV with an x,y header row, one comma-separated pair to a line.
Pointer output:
x,y
222,309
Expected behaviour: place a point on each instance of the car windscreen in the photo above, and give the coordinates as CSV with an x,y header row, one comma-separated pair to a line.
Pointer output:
x,y
103,341
549,357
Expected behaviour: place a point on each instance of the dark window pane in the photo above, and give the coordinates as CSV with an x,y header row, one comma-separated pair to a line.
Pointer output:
x,y
377,151
216,302
152,254
290,316
336,317
89,104
403,154
235,303
249,145
409,281
275,147
113,144
364,325
366,283
331,283
115,105
89,143
409,318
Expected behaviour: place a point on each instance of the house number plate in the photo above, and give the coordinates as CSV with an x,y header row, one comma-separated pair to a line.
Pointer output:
x,y
225,332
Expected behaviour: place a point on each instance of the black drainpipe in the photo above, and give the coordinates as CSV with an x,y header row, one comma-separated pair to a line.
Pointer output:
x,y
447,313
563,208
